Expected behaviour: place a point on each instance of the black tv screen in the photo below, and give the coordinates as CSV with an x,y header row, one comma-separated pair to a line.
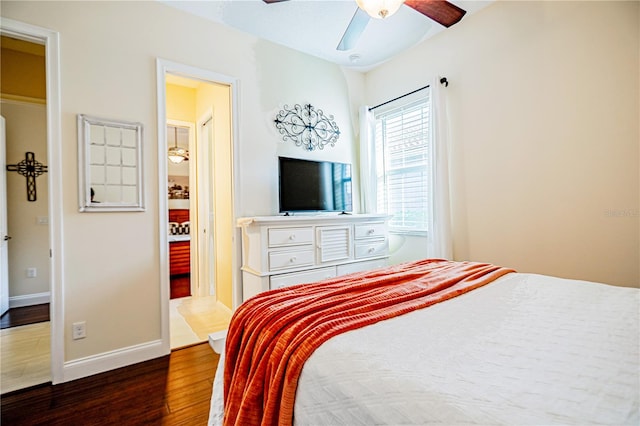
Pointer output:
x,y
320,186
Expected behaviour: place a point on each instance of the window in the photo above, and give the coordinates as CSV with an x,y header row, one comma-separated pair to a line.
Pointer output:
x,y
403,165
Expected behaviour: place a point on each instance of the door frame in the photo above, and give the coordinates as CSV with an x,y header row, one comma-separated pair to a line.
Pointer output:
x,y
164,67
4,232
51,40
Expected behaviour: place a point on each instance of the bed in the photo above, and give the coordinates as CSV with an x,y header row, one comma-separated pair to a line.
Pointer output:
x,y
503,348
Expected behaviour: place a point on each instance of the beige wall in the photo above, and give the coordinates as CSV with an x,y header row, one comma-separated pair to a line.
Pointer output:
x,y
26,130
543,101
108,62
22,83
181,103
181,106
23,70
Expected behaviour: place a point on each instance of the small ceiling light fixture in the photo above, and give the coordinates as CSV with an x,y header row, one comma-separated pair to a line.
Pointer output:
x,y
380,9
176,154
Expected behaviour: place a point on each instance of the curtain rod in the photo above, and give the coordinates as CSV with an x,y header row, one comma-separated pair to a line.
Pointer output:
x,y
443,80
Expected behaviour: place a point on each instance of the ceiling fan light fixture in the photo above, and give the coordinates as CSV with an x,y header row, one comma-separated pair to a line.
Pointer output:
x,y
380,9
176,154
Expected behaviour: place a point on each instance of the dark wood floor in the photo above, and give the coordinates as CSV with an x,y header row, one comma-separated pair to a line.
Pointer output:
x,y
25,315
180,286
172,390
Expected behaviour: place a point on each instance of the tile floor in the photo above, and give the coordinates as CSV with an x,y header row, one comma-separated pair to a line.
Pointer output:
x,y
26,356
194,318
25,350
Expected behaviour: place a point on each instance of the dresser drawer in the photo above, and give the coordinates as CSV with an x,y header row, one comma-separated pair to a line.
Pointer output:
x,y
290,259
279,237
370,230
365,265
305,277
378,248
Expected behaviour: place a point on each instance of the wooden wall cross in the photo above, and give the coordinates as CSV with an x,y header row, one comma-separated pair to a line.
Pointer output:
x,y
30,169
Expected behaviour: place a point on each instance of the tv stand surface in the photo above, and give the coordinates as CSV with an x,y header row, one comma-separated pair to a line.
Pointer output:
x,y
278,251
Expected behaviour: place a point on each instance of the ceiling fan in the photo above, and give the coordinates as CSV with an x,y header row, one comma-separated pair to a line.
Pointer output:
x,y
441,11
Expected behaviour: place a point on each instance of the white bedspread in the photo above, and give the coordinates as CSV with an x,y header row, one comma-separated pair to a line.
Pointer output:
x,y
526,349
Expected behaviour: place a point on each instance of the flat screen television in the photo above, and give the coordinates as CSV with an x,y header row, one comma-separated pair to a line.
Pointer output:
x,y
314,186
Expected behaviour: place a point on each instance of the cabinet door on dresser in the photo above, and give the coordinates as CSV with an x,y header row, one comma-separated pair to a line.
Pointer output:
x,y
334,243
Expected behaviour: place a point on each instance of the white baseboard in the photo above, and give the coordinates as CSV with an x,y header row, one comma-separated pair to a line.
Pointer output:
x,y
106,361
29,300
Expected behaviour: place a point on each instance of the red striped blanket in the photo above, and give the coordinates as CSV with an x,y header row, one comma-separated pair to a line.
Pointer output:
x,y
274,333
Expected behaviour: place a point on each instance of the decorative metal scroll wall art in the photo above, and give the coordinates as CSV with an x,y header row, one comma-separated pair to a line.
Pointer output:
x,y
307,127
30,169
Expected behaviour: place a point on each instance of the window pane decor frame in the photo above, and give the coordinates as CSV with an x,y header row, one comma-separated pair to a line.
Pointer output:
x,y
404,165
109,165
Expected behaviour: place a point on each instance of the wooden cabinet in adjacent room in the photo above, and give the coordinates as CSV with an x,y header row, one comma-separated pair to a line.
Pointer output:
x,y
179,257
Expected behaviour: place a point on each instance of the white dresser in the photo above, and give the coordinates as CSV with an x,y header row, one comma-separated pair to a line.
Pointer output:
x,y
278,251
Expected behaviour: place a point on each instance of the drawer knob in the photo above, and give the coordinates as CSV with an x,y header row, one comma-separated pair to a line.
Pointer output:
x,y
371,231
292,237
293,259
371,250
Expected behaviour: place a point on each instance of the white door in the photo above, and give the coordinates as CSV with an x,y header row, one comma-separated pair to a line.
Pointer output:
x,y
206,254
4,237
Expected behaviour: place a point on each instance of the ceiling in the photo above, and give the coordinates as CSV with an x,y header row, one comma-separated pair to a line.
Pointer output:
x,y
316,26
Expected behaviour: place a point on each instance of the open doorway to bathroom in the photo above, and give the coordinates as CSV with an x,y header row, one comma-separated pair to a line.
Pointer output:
x,y
199,207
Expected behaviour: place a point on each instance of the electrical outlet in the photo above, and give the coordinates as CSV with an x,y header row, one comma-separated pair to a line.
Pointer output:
x,y
79,330
32,272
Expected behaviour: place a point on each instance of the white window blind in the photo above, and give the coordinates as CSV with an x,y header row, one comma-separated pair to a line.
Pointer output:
x,y
403,165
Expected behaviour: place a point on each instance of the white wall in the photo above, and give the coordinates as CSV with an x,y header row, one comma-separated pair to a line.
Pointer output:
x,y
544,111
108,58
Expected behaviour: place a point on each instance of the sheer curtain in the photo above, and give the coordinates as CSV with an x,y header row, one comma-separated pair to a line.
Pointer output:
x,y
367,161
439,240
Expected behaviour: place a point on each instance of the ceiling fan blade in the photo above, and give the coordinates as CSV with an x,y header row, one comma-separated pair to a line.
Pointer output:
x,y
273,1
441,11
354,30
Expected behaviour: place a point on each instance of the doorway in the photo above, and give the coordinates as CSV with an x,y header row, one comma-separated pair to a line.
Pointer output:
x,y
32,45
199,100
24,337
